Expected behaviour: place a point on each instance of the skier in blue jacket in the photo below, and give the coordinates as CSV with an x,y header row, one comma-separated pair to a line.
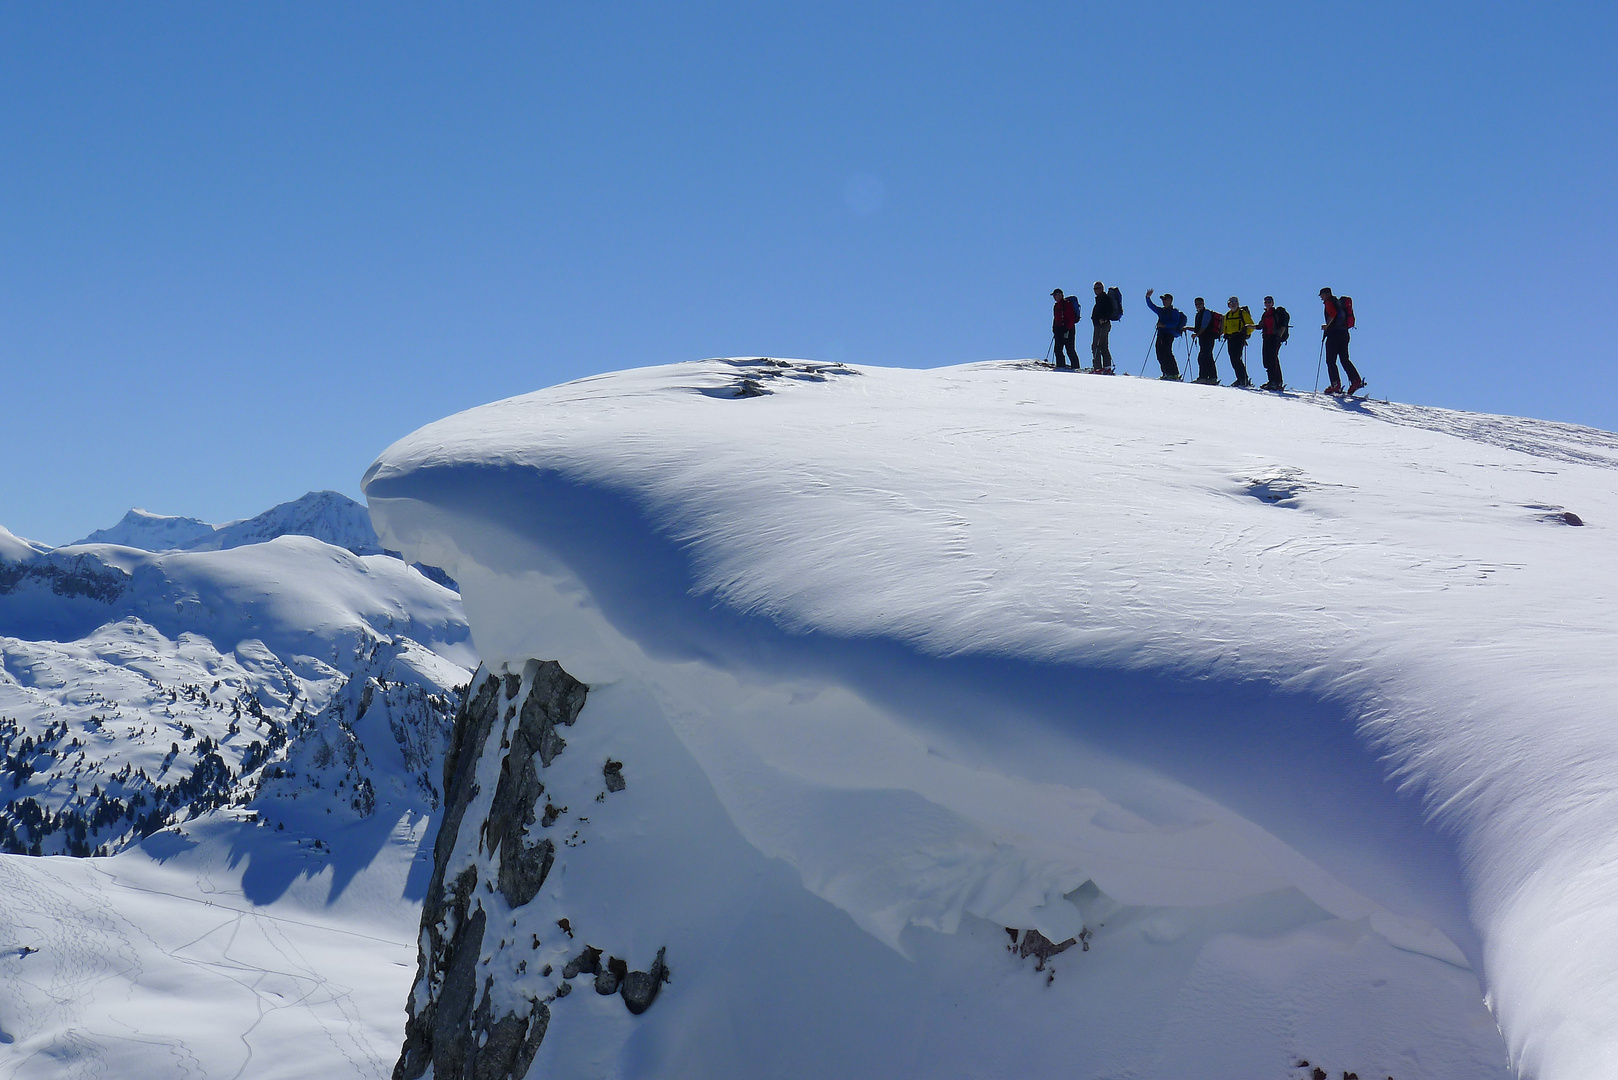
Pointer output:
x,y
1170,325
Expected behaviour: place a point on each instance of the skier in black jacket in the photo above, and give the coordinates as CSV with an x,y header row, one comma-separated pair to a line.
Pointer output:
x,y
1101,319
1207,325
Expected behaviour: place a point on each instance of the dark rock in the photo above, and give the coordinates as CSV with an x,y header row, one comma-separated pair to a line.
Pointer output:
x,y
454,937
587,962
610,977
453,1040
567,927
613,771
508,1045
640,988
1043,948
553,697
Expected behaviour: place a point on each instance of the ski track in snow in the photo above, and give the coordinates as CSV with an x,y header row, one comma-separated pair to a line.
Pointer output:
x,y
121,990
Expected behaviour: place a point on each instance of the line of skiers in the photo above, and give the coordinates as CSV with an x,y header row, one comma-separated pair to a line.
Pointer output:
x,y
1234,327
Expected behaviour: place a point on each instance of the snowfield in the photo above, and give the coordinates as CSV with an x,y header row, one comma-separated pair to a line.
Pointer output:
x,y
1296,715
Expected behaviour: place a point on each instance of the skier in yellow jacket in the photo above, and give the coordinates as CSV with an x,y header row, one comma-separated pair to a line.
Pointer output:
x,y
1238,328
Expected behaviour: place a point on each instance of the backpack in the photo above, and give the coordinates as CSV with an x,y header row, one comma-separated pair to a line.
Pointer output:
x,y
1216,325
1073,305
1283,323
1116,295
1245,322
1347,304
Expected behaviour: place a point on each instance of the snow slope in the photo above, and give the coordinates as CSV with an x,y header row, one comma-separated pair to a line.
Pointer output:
x,y
1301,710
252,738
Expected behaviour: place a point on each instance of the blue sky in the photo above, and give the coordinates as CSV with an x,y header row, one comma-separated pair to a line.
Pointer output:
x,y
247,246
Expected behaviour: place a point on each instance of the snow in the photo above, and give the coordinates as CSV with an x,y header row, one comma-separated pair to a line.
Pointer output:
x,y
1303,708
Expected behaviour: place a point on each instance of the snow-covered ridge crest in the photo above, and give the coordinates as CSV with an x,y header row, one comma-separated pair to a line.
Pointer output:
x,y
962,644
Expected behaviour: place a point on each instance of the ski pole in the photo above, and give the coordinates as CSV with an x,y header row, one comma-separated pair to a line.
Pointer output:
x,y
1048,347
1319,362
1148,359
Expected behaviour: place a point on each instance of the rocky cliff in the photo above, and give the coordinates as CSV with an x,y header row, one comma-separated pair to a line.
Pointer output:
x,y
486,980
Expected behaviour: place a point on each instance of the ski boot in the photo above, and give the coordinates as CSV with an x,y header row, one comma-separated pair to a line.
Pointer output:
x,y
1355,386
1335,390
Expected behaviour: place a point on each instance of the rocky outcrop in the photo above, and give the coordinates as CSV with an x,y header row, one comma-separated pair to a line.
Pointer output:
x,y
476,1011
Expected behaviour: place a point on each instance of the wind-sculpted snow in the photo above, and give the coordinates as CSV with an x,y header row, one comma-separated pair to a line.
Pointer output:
x,y
965,647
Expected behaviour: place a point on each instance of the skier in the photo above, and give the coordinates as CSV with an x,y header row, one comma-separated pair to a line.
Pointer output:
x,y
1101,319
1274,327
1170,325
1208,325
1064,317
1238,328
1339,320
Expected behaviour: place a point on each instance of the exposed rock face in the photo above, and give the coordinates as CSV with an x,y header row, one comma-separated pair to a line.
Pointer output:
x,y
476,1013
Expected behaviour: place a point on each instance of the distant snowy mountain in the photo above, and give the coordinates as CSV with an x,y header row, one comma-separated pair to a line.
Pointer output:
x,y
252,726
325,515
993,722
153,532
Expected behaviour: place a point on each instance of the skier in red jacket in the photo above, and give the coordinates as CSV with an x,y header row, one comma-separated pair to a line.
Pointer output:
x,y
1339,319
1064,317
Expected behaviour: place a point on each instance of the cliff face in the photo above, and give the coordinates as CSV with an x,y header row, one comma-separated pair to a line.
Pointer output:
x,y
484,991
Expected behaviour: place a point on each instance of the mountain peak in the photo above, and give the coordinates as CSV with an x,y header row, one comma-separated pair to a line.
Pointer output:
x,y
151,532
325,515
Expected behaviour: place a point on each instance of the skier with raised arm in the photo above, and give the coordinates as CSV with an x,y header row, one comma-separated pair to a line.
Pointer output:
x,y
1170,325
